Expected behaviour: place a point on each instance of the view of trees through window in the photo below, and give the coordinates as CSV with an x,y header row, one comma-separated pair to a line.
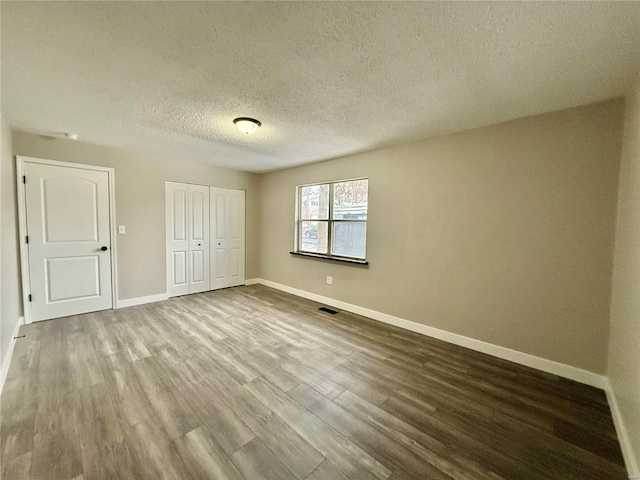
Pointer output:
x,y
333,218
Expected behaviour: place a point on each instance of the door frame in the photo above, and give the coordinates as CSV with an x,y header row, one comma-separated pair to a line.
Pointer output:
x,y
22,225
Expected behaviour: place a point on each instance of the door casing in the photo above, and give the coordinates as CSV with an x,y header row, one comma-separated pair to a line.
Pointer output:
x,y
22,226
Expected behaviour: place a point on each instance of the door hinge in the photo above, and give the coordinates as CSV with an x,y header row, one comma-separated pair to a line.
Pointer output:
x,y
26,239
24,179
29,297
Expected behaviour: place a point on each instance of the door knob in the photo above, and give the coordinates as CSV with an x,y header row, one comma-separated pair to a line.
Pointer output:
x,y
104,249
199,244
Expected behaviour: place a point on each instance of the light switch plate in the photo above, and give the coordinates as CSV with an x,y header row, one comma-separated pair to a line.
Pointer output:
x,y
121,230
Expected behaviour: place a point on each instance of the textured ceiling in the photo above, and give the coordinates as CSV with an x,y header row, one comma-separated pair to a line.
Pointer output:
x,y
326,79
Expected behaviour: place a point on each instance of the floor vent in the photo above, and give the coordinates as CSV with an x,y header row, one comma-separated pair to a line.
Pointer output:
x,y
328,310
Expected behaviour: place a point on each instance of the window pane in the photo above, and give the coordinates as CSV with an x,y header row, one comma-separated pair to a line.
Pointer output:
x,y
350,199
314,202
349,239
313,237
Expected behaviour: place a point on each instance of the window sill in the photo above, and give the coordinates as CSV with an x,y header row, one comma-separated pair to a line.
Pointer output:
x,y
333,259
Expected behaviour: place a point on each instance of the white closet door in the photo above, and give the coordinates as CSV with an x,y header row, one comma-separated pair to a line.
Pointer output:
x,y
235,240
67,211
227,237
218,238
187,210
198,238
177,215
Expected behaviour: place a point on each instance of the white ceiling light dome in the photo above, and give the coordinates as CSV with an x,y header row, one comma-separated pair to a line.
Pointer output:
x,y
247,125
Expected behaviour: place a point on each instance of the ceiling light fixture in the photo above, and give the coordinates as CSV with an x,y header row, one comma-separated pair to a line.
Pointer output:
x,y
71,136
247,125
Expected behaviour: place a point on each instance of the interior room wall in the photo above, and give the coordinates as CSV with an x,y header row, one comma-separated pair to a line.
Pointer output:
x,y
10,289
624,340
503,234
139,192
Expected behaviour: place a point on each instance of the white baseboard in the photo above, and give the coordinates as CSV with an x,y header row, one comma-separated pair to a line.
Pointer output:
x,y
549,366
630,459
130,302
251,281
6,361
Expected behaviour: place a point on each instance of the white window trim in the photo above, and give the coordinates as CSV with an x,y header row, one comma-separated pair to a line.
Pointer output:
x,y
298,225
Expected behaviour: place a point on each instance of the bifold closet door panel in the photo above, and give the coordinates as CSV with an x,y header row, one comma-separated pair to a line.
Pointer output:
x,y
187,219
198,238
177,215
227,237
205,238
219,251
236,239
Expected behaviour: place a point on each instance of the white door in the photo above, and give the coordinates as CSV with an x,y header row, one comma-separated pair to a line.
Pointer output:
x,y
227,237
198,238
69,240
177,198
187,218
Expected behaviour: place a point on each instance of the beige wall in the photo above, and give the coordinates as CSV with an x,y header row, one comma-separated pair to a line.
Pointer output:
x,y
140,203
503,234
10,291
624,342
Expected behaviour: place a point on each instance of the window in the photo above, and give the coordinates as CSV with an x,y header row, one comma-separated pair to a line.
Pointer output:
x,y
332,219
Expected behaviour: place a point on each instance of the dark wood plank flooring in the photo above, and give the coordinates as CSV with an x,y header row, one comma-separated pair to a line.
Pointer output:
x,y
252,383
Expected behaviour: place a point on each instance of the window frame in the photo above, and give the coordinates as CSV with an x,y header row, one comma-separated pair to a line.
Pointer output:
x,y
330,223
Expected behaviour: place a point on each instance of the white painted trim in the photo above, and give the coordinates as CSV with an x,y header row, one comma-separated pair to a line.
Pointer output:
x,y
252,281
630,460
6,361
549,366
22,230
130,302
22,225
114,237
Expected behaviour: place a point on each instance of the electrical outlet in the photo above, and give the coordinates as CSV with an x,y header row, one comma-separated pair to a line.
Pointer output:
x,y
329,280
121,230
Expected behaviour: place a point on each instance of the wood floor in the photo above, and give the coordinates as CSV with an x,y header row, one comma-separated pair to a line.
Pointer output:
x,y
254,383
